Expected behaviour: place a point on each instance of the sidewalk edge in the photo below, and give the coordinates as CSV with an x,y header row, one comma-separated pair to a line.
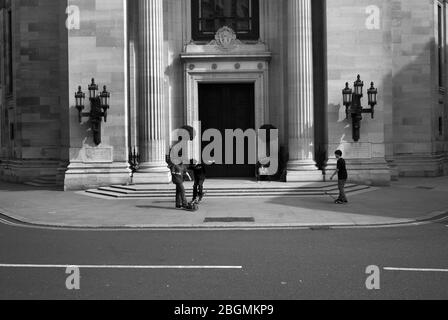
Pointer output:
x,y
11,219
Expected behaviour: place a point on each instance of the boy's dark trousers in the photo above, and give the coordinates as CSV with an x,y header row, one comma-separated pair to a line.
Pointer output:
x,y
198,188
341,186
181,199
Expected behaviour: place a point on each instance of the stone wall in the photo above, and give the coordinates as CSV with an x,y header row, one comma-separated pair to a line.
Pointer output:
x,y
417,146
35,105
359,42
392,43
4,130
97,50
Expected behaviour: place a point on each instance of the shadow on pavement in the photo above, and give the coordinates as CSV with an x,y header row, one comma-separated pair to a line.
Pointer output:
x,y
386,202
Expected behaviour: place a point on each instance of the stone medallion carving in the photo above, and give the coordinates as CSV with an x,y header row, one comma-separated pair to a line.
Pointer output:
x,y
226,39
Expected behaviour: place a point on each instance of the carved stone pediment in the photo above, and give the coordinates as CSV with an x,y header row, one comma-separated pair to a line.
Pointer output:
x,y
225,39
225,43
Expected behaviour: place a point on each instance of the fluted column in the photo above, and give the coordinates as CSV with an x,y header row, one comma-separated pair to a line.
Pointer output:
x,y
301,166
151,109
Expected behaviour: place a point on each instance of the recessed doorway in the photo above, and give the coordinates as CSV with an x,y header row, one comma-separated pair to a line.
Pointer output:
x,y
228,106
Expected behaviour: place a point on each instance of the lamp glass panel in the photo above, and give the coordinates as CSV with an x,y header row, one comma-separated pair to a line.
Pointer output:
x,y
372,98
346,98
79,100
104,100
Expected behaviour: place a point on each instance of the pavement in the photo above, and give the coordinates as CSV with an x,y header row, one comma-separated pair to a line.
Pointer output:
x,y
408,201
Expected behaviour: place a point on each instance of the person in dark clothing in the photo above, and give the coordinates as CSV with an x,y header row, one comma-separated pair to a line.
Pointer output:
x,y
199,179
341,171
177,173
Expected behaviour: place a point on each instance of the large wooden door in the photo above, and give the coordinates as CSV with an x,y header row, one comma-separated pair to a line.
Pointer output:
x,y
228,106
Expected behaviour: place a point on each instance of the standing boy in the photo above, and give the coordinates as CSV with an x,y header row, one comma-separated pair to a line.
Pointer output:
x,y
199,179
341,171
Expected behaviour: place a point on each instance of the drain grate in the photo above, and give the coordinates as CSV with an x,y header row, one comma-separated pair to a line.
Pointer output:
x,y
229,219
425,188
320,228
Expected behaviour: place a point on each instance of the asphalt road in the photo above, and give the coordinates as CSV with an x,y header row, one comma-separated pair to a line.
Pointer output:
x,y
290,264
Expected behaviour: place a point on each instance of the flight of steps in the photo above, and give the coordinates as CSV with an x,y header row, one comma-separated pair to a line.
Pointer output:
x,y
236,190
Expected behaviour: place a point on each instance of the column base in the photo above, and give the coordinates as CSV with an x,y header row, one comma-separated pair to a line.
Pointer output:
x,y
445,165
371,172
152,173
303,171
152,177
420,165
21,171
81,176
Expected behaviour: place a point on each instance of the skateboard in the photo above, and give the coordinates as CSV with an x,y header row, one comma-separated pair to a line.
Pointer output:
x,y
192,206
335,199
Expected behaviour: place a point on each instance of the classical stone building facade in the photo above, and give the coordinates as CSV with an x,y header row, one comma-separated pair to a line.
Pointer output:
x,y
279,62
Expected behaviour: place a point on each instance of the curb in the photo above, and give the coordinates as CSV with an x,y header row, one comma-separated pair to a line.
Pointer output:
x,y
434,217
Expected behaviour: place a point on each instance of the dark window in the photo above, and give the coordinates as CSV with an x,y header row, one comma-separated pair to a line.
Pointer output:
x,y
208,16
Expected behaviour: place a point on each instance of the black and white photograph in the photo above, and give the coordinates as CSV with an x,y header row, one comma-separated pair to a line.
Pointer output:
x,y
223,155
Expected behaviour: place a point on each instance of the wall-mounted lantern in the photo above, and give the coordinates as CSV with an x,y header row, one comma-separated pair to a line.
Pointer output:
x,y
352,103
99,105
134,162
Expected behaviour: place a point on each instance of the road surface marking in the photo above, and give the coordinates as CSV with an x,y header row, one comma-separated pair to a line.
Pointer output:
x,y
57,266
416,270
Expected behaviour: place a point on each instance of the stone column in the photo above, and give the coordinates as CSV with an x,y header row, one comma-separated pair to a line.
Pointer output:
x,y
301,165
151,108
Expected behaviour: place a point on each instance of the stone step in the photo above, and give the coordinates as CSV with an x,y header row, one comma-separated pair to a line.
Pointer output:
x,y
125,190
189,195
112,192
283,186
229,191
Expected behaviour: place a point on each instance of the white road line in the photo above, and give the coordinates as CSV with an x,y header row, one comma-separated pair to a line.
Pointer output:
x,y
57,266
416,270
